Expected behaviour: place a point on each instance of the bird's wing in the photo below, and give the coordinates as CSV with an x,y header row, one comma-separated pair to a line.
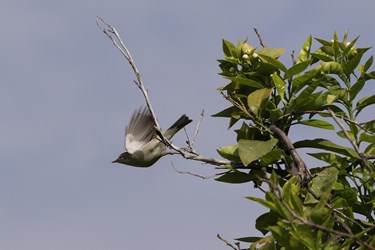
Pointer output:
x,y
140,130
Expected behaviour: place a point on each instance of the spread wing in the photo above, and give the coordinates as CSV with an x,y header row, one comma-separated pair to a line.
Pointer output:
x,y
140,130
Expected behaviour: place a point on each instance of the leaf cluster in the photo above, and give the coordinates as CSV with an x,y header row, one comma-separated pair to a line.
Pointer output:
x,y
334,208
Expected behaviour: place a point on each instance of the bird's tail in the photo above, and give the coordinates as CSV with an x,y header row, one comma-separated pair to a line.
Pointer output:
x,y
179,124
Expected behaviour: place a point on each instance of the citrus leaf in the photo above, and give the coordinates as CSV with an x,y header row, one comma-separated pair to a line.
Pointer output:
x,y
318,124
229,152
235,177
297,68
271,52
280,85
327,145
273,62
255,99
251,150
304,54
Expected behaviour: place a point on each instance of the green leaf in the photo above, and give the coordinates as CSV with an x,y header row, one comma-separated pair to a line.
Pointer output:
x,y
268,204
255,99
323,182
318,124
370,149
314,101
306,93
228,112
333,159
364,102
305,77
327,145
290,193
323,42
304,54
321,56
356,88
229,152
265,220
248,82
368,64
331,68
271,52
249,239
235,177
229,49
271,157
297,68
369,125
251,150
274,62
353,63
280,85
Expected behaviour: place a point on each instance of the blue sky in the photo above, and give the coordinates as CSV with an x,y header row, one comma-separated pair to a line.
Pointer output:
x,y
67,94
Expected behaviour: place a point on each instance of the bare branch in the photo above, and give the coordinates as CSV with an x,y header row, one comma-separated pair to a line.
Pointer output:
x,y
195,175
259,38
115,37
226,242
112,34
303,172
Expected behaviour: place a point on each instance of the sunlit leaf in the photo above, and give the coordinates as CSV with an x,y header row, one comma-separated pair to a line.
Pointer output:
x,y
364,102
271,52
304,54
229,49
280,85
318,124
255,99
251,150
274,62
327,145
297,68
229,152
305,77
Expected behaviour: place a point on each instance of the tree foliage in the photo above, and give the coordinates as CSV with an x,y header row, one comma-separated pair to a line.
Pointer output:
x,y
316,207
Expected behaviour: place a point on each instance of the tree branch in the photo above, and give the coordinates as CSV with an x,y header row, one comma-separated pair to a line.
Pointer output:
x,y
303,172
115,37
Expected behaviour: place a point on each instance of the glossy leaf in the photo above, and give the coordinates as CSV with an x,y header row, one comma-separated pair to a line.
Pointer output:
x,y
274,62
304,54
280,85
235,177
356,88
297,68
271,52
227,112
327,145
251,150
229,49
318,123
305,77
255,99
229,152
364,102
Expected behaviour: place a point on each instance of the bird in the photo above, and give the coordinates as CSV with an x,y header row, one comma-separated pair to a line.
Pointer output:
x,y
143,146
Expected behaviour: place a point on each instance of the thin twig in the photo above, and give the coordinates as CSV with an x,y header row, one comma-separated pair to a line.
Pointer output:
x,y
354,144
226,242
195,175
115,37
259,38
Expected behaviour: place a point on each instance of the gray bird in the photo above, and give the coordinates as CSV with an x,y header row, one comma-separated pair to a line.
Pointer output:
x,y
142,144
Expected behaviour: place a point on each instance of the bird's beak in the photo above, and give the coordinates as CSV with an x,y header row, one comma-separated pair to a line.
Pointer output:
x,y
116,161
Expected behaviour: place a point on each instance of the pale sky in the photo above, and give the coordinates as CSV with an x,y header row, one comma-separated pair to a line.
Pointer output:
x,y
67,94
